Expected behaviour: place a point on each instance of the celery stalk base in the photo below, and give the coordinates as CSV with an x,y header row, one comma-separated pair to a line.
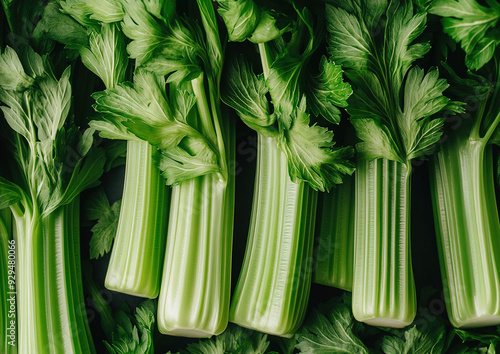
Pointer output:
x,y
272,292
468,232
137,255
383,288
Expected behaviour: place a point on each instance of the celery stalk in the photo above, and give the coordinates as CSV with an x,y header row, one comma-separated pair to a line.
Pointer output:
x,y
467,227
138,250
383,285
196,283
273,287
334,253
8,320
50,293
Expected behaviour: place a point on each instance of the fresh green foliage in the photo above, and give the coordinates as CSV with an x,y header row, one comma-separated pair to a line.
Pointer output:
x,y
475,26
296,91
330,328
55,163
98,208
398,112
40,115
133,332
144,108
234,339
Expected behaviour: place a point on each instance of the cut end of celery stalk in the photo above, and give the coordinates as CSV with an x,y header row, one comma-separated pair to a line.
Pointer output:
x,y
274,331
115,284
385,322
480,321
186,332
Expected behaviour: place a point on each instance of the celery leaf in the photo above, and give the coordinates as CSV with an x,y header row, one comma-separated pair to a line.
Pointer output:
x,y
330,329
327,91
144,110
473,25
11,193
97,207
234,339
246,93
133,333
245,19
310,154
397,111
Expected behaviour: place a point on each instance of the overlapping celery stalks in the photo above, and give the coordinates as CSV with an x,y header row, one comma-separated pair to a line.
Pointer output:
x,y
295,158
462,172
55,163
397,112
179,61
136,260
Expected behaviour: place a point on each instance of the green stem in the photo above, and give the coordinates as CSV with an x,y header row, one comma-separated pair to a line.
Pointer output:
x,y
273,287
195,289
51,309
8,321
138,249
467,227
207,127
335,237
264,59
383,287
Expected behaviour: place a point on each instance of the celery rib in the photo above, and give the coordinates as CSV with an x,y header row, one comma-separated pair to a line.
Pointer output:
x,y
334,250
196,282
467,228
383,284
138,249
273,287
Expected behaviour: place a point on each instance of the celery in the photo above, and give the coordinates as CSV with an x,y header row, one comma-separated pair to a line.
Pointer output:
x,y
8,316
51,313
383,285
467,222
138,249
273,287
397,110
462,173
334,245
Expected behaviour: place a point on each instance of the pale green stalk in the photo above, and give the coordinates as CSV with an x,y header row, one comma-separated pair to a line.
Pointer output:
x,y
196,283
334,253
383,286
8,317
273,287
51,310
467,228
138,249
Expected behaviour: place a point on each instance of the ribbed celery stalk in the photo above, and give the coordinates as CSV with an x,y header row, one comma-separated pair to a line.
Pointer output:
x,y
383,287
334,252
468,230
195,290
52,318
273,287
8,317
136,260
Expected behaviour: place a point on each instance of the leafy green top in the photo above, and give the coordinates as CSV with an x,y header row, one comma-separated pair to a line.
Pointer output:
x,y
475,26
295,92
56,161
397,109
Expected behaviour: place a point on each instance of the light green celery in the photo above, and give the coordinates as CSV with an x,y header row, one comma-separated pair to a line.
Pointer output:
x,y
467,228
137,256
383,287
52,316
334,253
195,290
8,320
273,287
